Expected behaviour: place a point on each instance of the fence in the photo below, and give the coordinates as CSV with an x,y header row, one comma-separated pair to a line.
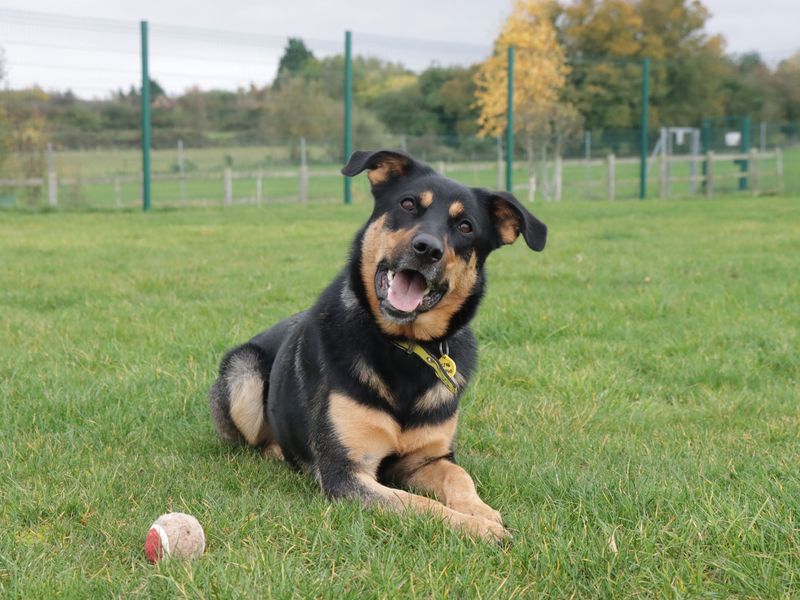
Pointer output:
x,y
257,154
612,178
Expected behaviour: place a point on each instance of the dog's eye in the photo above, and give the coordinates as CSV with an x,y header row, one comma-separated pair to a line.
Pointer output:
x,y
465,227
408,204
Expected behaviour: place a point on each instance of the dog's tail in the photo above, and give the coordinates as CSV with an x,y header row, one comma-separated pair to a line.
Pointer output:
x,y
238,397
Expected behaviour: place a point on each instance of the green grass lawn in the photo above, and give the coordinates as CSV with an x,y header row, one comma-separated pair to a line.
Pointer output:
x,y
635,417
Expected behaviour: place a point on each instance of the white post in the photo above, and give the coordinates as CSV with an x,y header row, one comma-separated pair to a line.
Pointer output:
x,y
258,187
710,174
693,166
303,171
532,189
663,174
52,180
779,169
403,143
499,164
441,167
558,177
763,136
182,181
228,181
117,193
587,146
612,173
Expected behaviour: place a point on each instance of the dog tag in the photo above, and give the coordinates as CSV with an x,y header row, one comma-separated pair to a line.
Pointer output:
x,y
448,364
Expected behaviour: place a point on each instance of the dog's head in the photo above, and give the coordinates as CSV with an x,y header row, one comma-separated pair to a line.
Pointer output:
x,y
418,262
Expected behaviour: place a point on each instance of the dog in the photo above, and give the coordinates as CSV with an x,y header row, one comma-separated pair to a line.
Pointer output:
x,y
361,390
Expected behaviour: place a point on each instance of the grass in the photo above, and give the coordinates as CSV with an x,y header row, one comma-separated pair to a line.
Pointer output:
x,y
635,416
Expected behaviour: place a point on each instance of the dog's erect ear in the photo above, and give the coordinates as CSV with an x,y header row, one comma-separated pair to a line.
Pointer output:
x,y
383,165
510,219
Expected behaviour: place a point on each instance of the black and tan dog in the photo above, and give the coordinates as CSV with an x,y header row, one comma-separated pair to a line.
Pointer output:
x,y
362,389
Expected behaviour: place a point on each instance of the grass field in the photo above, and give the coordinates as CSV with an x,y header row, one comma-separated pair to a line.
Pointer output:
x,y
635,417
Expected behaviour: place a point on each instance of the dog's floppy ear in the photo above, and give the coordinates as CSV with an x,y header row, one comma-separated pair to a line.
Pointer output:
x,y
510,219
383,165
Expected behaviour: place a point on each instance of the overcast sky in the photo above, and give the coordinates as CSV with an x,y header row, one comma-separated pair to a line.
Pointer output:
x,y
93,56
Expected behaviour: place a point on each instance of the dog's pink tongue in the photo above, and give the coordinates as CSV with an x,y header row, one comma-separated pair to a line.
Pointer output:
x,y
406,290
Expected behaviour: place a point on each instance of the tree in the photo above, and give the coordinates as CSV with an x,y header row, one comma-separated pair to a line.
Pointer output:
x,y
787,87
296,58
540,74
449,93
605,41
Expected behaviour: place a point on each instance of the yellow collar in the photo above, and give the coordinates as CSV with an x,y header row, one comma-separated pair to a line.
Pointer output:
x,y
444,367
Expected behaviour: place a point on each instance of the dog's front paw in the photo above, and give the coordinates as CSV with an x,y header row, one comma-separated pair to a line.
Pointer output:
x,y
477,509
487,529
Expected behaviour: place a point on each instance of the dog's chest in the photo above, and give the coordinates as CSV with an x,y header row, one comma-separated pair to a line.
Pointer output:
x,y
369,435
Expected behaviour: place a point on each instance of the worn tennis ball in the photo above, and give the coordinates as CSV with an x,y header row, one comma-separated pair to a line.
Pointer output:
x,y
177,535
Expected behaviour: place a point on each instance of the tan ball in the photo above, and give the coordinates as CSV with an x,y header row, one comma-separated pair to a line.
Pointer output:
x,y
176,535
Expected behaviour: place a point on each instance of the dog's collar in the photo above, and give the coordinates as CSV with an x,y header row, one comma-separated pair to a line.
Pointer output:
x,y
444,367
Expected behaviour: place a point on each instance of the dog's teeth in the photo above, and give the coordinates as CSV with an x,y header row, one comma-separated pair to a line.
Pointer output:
x,y
390,275
427,291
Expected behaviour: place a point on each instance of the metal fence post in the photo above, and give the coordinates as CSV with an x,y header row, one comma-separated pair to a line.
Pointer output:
x,y
744,149
145,120
499,163
645,125
510,123
348,109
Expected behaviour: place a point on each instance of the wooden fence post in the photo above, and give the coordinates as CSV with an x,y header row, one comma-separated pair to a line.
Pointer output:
x,y
752,163
52,188
612,174
532,189
710,174
303,171
228,185
117,193
558,181
52,178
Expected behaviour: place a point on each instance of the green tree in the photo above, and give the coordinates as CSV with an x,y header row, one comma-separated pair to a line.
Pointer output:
x,y
787,88
605,41
296,59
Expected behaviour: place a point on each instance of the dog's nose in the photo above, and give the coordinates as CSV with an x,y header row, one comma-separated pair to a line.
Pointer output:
x,y
428,248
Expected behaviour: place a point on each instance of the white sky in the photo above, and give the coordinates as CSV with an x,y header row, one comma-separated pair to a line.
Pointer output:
x,y
94,57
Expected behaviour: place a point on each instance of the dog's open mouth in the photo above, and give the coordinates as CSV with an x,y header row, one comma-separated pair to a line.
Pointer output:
x,y
405,292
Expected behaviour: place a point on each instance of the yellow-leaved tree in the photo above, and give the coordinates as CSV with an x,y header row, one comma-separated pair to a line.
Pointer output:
x,y
541,116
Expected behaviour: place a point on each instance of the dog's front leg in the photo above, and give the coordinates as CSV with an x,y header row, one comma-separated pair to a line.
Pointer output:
x,y
452,485
365,487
